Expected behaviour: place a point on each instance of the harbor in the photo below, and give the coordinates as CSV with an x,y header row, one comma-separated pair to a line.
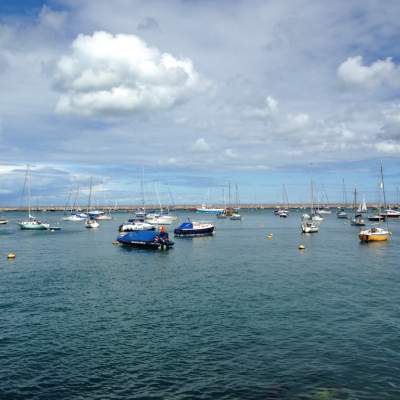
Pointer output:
x,y
106,319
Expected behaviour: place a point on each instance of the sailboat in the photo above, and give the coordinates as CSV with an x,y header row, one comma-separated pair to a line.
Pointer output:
x,y
223,215
340,213
357,219
90,222
284,212
32,223
362,208
377,233
161,218
307,223
235,215
75,215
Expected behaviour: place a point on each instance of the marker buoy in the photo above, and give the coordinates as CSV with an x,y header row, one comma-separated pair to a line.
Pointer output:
x,y
11,256
301,247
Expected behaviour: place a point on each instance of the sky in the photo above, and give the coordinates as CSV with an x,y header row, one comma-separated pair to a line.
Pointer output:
x,y
199,94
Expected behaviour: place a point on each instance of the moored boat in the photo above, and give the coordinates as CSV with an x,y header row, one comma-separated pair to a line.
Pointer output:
x,y
390,213
3,221
357,220
309,226
91,223
194,228
33,224
134,225
377,233
341,214
374,234
209,210
146,239
75,218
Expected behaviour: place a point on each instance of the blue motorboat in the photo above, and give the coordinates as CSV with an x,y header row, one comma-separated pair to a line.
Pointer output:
x,y
194,228
146,239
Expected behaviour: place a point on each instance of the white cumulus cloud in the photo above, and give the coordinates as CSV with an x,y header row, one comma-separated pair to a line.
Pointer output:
x,y
109,74
381,72
200,145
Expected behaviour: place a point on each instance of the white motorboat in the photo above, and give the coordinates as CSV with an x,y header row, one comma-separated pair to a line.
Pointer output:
x,y
283,213
3,221
390,213
136,226
91,224
161,220
235,217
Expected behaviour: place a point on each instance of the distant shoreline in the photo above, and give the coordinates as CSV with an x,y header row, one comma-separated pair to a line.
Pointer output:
x,y
185,207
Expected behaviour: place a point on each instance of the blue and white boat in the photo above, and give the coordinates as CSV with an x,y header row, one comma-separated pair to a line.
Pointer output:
x,y
146,239
193,228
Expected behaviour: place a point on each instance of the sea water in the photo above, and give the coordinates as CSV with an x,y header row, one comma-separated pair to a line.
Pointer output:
x,y
232,316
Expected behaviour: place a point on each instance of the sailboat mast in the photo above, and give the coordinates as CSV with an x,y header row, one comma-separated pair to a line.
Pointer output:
x,y
384,196
312,197
142,187
90,195
74,207
29,191
158,197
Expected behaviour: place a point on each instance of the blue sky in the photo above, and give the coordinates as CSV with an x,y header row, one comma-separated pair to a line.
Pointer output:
x,y
200,94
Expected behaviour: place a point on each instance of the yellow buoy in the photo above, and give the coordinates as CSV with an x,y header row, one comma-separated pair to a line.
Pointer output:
x,y
11,256
301,247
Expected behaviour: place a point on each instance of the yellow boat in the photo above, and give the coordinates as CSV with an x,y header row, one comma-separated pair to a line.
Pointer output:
x,y
374,234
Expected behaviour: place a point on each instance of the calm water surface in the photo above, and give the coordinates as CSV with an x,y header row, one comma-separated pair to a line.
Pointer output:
x,y
234,316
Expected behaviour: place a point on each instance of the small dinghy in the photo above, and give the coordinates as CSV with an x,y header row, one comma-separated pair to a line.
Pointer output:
x,y
190,229
146,239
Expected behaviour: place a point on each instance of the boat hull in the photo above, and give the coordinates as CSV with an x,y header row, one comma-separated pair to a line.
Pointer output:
x,y
194,232
374,237
33,227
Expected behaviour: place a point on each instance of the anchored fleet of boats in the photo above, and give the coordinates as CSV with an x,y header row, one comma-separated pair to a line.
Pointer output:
x,y
146,228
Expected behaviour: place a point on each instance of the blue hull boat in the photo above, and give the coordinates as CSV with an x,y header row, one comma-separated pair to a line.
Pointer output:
x,y
146,240
190,229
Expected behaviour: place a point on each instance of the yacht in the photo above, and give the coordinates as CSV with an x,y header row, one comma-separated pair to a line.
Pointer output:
x,y
32,223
